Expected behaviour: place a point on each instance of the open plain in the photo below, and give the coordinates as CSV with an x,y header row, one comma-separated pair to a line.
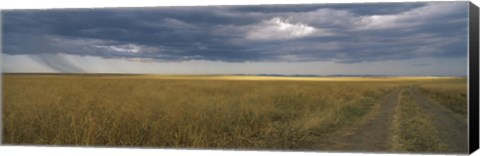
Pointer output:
x,y
385,114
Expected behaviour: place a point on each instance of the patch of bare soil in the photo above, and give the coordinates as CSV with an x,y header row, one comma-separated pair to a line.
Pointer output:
x,y
374,133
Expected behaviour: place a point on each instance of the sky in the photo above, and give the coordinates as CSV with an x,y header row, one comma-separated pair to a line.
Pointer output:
x,y
316,39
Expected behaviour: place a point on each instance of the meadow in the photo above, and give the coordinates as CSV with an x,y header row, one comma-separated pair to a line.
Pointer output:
x,y
234,112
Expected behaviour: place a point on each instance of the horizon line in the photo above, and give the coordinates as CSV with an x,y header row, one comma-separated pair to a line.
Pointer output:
x,y
275,75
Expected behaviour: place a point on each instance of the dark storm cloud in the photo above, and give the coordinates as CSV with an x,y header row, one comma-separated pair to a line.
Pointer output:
x,y
345,33
359,8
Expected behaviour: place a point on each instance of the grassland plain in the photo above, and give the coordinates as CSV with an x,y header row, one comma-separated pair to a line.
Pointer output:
x,y
236,112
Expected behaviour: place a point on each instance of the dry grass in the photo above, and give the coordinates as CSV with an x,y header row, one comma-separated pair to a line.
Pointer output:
x,y
193,113
452,94
413,128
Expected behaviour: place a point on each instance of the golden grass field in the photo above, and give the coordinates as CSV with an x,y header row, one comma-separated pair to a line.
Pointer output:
x,y
235,112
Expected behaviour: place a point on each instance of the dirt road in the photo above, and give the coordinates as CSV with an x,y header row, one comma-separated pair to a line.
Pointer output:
x,y
452,129
375,132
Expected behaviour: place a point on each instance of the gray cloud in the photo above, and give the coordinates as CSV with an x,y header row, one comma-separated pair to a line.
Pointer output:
x,y
344,33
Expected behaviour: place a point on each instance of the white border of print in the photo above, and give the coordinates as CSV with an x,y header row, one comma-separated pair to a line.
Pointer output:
x,y
74,151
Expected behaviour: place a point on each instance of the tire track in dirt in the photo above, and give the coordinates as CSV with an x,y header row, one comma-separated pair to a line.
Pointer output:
x,y
452,130
375,132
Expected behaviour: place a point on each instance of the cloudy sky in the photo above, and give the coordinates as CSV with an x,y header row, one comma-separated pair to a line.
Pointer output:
x,y
373,38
